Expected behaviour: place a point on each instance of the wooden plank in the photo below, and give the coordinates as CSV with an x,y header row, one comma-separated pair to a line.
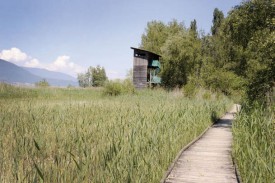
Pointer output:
x,y
140,72
209,158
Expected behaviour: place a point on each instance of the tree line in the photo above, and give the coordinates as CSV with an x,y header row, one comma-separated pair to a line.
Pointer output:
x,y
236,58
94,76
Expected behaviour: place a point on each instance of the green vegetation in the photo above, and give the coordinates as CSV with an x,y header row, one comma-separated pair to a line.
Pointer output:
x,y
114,88
88,135
237,59
42,83
8,91
95,76
190,90
79,135
218,18
254,144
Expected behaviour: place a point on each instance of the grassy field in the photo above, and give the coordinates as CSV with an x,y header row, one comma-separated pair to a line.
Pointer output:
x,y
254,144
79,135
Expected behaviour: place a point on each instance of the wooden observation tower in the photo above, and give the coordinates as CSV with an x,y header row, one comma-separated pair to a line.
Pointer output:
x,y
146,67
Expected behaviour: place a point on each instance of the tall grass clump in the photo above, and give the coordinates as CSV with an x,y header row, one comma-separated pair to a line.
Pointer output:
x,y
114,88
42,83
254,144
76,135
10,91
190,90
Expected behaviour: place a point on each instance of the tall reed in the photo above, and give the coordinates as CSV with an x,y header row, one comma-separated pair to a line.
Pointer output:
x,y
254,144
75,135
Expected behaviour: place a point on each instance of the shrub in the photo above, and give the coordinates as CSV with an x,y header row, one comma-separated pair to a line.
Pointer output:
x,y
128,86
42,83
189,90
114,88
225,81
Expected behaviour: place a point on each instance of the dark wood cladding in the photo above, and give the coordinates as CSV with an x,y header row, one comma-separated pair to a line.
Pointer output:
x,y
140,72
140,66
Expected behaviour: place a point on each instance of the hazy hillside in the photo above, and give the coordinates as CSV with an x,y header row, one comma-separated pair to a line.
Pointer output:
x,y
12,73
49,74
60,82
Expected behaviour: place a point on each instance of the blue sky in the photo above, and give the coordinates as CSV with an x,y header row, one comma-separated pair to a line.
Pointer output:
x,y
71,35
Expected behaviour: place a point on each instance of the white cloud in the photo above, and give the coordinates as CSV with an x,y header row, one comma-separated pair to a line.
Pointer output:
x,y
61,64
32,63
13,55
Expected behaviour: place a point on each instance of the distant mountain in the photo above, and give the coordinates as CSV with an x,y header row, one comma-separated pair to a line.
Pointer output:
x,y
12,73
54,78
60,82
49,74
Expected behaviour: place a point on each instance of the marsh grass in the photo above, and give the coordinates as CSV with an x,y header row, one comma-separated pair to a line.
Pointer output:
x,y
76,135
254,144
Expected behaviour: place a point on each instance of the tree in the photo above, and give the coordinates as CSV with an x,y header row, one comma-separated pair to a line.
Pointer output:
x,y
154,37
193,28
180,50
249,33
157,33
86,79
174,27
95,76
181,55
238,57
217,21
99,76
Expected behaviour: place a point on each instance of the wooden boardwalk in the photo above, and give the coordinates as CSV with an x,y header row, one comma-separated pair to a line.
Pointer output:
x,y
209,158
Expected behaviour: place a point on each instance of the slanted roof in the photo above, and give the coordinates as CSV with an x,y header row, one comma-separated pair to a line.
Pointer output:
x,y
145,51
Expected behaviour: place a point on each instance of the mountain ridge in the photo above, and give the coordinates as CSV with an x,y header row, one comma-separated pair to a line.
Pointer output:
x,y
12,73
49,74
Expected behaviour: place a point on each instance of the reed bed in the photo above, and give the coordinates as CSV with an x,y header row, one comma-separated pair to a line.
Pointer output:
x,y
76,135
254,144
